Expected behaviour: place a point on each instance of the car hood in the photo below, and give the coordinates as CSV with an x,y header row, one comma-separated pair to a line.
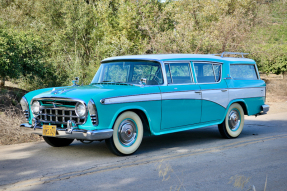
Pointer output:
x,y
100,91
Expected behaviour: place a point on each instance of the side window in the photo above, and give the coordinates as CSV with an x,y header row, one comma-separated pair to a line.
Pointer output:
x,y
217,72
178,73
207,73
243,72
151,72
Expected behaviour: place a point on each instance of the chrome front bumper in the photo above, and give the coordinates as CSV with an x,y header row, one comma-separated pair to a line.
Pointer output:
x,y
74,134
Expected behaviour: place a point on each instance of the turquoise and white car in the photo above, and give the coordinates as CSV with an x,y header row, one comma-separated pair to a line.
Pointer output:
x,y
133,96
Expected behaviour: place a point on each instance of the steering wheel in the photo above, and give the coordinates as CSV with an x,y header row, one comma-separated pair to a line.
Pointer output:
x,y
154,78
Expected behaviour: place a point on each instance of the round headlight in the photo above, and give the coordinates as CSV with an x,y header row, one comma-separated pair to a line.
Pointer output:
x,y
24,104
80,110
35,107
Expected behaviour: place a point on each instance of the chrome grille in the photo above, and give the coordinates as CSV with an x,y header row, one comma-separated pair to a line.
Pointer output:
x,y
59,115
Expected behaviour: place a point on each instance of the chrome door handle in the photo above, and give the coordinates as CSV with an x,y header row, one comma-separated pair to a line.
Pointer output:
x,y
198,92
223,90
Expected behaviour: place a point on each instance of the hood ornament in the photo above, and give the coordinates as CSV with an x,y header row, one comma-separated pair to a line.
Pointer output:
x,y
75,81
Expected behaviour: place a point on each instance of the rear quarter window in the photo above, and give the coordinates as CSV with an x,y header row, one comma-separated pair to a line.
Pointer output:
x,y
243,72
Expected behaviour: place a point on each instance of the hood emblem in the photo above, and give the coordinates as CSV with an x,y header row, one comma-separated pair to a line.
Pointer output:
x,y
56,104
60,91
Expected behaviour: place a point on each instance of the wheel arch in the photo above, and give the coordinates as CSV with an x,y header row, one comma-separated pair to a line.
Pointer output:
x,y
141,112
242,104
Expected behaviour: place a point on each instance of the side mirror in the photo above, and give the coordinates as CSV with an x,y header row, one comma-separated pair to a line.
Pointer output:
x,y
143,81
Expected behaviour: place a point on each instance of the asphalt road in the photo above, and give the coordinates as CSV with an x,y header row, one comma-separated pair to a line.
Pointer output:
x,y
192,160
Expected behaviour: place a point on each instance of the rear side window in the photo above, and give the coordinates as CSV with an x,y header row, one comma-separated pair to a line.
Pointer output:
x,y
207,73
243,72
178,73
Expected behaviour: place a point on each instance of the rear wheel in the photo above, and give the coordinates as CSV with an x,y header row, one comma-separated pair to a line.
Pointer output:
x,y
57,142
127,136
233,123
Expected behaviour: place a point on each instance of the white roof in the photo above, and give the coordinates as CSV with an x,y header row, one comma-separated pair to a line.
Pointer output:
x,y
167,57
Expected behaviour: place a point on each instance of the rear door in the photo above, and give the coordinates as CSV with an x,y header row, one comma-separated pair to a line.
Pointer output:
x,y
213,89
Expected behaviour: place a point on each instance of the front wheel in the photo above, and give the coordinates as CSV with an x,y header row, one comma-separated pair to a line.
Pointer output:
x,y
58,142
127,136
233,123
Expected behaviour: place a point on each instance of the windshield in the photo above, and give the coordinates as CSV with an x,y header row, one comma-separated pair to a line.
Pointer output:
x,y
129,72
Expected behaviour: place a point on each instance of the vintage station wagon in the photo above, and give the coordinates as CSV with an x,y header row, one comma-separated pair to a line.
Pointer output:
x,y
133,96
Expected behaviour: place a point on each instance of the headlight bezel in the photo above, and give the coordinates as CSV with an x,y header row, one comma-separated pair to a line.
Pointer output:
x,y
84,111
93,112
25,107
35,107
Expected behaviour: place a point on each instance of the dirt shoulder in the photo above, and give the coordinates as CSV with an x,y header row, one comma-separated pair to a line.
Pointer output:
x,y
11,115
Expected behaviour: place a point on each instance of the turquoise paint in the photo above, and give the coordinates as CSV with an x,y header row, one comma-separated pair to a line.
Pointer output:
x,y
212,111
165,116
180,111
110,112
254,105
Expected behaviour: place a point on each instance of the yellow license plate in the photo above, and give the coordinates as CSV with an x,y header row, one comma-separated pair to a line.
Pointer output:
x,y
49,130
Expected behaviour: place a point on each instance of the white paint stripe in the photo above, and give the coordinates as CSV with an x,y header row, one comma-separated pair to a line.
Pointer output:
x,y
181,95
246,93
217,96
134,98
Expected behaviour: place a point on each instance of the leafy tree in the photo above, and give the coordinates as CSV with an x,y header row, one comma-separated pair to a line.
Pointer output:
x,y
21,56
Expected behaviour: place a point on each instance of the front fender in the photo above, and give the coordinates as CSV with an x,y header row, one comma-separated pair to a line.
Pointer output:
x,y
128,108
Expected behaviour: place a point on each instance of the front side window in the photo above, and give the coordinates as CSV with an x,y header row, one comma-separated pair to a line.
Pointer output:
x,y
243,72
178,73
207,73
129,72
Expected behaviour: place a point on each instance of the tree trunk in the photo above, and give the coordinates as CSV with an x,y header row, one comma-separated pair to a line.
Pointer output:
x,y
2,83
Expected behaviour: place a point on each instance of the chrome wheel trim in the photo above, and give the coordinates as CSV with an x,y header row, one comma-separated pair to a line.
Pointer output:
x,y
127,132
234,120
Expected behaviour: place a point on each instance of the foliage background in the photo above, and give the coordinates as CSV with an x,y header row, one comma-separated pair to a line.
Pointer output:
x,y
49,42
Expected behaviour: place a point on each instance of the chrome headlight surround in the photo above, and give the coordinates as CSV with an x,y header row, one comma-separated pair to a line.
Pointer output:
x,y
35,107
93,112
25,107
81,110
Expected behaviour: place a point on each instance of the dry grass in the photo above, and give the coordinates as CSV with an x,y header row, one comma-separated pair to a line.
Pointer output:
x,y
11,117
10,132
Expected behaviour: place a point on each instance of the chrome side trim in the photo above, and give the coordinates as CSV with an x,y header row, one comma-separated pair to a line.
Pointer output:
x,y
81,134
133,98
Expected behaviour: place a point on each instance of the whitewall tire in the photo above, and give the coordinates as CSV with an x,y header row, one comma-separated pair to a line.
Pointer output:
x,y
127,135
233,123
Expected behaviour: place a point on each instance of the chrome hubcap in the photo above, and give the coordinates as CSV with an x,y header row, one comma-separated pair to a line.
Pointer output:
x,y
234,120
127,132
